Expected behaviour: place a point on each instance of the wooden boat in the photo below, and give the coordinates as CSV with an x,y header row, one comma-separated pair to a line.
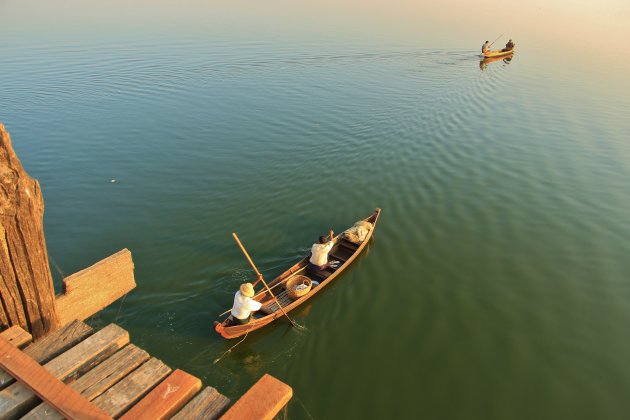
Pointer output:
x,y
343,251
497,53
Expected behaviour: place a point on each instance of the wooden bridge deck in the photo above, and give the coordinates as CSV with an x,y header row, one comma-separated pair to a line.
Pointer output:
x,y
104,371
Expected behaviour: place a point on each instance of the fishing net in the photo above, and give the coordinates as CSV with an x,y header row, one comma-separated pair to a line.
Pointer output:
x,y
357,233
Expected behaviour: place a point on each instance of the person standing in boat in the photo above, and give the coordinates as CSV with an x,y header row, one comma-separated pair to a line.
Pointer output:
x,y
485,47
509,46
244,305
319,252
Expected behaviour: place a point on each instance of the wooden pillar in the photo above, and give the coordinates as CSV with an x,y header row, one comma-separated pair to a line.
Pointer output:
x,y
27,296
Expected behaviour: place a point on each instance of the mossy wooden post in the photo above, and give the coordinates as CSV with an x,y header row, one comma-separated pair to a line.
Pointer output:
x,y
27,295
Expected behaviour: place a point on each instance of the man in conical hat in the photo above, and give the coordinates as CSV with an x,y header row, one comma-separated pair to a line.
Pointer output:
x,y
244,305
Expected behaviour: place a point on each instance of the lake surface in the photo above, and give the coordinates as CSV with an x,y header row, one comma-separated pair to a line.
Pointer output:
x,y
496,285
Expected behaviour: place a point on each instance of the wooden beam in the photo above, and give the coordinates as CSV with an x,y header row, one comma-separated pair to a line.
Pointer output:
x,y
51,345
168,397
262,401
208,404
16,336
41,382
97,380
94,288
119,398
16,399
27,295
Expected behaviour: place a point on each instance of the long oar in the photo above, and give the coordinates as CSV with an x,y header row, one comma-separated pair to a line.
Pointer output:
x,y
260,278
495,40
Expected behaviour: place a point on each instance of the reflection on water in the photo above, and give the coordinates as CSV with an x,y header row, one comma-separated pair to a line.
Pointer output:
x,y
483,64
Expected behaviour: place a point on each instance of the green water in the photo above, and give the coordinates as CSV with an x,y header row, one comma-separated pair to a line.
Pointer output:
x,y
496,285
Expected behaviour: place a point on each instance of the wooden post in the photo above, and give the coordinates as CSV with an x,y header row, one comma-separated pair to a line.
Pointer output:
x,y
27,296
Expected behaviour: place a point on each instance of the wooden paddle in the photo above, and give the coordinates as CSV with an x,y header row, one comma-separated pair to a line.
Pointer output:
x,y
495,41
260,278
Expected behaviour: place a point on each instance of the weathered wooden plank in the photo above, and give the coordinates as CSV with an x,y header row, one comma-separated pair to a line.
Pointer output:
x,y
27,293
116,400
59,341
51,345
262,401
16,336
41,382
97,380
16,399
95,287
208,404
165,399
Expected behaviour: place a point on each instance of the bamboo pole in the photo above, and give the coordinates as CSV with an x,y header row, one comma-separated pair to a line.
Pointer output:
x,y
260,278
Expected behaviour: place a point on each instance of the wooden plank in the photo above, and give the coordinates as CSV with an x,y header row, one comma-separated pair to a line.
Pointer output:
x,y
51,345
95,287
272,306
97,380
41,382
16,399
350,246
16,336
262,401
208,404
116,400
336,257
168,397
59,341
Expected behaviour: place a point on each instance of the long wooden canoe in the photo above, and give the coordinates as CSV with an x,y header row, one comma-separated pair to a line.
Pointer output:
x,y
343,251
497,53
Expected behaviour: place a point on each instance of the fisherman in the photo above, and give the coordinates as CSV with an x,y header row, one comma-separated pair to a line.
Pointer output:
x,y
244,305
319,252
485,47
509,46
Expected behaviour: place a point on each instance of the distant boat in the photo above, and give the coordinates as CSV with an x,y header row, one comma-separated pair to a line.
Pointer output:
x,y
344,251
497,53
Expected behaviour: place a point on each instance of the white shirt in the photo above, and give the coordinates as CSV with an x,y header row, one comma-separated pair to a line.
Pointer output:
x,y
319,253
243,306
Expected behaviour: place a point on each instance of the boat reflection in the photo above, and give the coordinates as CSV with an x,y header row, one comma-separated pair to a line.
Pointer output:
x,y
487,60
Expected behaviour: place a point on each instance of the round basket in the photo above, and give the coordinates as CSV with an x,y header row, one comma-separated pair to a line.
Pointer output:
x,y
298,286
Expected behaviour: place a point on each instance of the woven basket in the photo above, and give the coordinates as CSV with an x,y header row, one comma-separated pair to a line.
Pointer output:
x,y
295,281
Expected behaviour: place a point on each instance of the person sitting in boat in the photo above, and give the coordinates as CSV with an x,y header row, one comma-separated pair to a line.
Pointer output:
x,y
485,47
244,305
319,252
509,46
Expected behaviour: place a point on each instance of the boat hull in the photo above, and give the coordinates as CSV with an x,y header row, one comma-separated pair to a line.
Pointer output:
x,y
497,53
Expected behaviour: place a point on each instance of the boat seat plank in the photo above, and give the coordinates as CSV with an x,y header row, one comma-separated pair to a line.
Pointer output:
x,y
272,307
119,398
336,257
208,404
51,346
17,399
97,380
16,336
350,246
44,384
323,274
165,399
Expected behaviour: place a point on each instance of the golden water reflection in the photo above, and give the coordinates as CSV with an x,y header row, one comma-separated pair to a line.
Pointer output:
x,y
483,64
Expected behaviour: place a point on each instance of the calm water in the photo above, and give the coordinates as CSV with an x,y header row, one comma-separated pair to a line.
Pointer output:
x,y
496,285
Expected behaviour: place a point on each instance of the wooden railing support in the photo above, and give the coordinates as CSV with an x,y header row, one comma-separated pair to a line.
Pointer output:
x,y
27,296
